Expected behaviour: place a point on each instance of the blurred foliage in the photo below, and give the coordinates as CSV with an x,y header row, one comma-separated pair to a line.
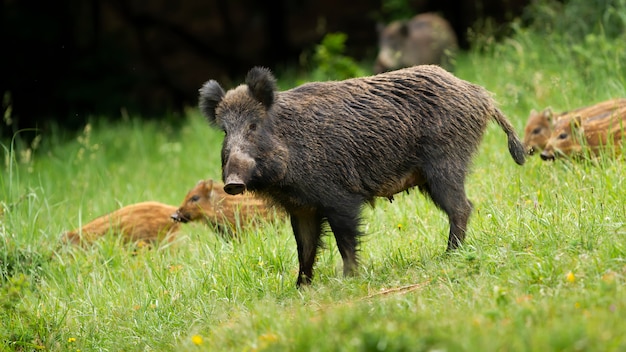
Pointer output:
x,y
330,61
574,20
397,9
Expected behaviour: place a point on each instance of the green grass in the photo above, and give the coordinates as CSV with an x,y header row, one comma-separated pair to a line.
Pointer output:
x,y
543,267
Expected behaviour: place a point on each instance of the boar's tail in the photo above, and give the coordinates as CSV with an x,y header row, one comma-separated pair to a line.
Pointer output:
x,y
515,145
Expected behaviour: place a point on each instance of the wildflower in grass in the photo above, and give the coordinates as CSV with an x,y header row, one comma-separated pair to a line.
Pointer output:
x,y
524,298
399,226
175,267
268,338
609,277
71,339
570,277
197,340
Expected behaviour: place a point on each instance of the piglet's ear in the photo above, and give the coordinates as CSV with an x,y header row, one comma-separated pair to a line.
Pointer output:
x,y
577,122
262,85
548,114
211,94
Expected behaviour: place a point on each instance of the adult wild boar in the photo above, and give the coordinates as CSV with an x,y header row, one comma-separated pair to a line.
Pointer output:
x,y
540,125
425,39
577,137
323,149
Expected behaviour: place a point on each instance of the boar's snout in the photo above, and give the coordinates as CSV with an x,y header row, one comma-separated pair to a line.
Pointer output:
x,y
234,185
547,156
237,172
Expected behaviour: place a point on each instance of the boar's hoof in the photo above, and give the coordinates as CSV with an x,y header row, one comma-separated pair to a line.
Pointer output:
x,y
547,157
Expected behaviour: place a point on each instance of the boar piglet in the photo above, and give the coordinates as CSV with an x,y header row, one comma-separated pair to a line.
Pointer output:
x,y
579,136
540,125
323,149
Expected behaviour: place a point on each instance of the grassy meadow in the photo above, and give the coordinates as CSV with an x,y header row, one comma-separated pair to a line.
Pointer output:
x,y
543,267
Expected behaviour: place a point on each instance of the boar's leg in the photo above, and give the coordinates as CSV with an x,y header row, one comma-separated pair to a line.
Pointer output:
x,y
307,228
448,192
345,228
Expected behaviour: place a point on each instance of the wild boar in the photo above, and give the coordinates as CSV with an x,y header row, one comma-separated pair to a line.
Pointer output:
x,y
425,39
540,125
323,149
577,137
208,202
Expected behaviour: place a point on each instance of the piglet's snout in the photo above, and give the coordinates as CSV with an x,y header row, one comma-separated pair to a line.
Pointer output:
x,y
237,173
547,156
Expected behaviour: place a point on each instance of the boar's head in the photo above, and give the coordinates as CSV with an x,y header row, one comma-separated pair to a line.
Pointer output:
x,y
392,39
538,130
249,152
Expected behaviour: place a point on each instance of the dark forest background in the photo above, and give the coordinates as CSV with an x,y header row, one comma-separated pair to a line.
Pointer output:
x,y
64,61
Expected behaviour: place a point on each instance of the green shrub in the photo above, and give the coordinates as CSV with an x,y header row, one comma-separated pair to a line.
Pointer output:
x,y
330,61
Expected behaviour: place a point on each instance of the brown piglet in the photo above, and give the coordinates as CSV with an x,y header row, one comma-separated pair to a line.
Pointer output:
x,y
540,125
146,221
153,221
208,202
576,137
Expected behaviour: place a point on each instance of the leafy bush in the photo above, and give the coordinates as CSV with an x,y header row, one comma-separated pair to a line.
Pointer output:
x,y
330,61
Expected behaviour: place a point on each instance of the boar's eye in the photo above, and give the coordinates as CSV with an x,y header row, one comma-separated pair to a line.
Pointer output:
x,y
563,135
195,198
537,130
252,127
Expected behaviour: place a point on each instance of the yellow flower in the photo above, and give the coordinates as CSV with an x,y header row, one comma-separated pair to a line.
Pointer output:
x,y
268,338
570,277
197,340
399,226
71,339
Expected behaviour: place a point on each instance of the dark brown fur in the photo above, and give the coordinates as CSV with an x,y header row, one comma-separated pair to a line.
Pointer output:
x,y
540,125
209,203
324,149
425,39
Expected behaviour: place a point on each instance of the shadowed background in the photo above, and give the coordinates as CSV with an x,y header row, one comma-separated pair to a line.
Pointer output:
x,y
67,60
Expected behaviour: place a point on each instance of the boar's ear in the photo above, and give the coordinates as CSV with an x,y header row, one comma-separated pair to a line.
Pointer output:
x,y
404,28
262,85
211,94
